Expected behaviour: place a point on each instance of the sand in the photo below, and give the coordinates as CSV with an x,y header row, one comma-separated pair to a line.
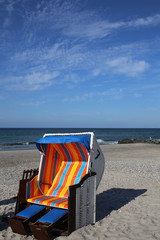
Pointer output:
x,y
128,197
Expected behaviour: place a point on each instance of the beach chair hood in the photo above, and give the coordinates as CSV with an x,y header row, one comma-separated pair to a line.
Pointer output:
x,y
88,140
83,139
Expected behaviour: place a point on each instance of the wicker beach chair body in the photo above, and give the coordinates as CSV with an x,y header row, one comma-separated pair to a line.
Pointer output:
x,y
69,173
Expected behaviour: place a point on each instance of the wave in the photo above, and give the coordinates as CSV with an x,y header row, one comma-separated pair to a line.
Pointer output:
x,y
17,144
106,142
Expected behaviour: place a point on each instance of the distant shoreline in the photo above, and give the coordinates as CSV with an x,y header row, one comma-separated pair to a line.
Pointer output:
x,y
32,145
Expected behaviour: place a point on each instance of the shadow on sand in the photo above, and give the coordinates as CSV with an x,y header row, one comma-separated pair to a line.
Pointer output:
x,y
3,218
114,199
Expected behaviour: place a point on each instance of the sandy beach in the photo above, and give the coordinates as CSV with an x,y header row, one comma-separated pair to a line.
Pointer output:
x,y
128,197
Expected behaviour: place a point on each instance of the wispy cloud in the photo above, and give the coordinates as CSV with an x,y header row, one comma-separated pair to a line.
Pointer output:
x,y
53,46
127,66
148,21
34,81
113,93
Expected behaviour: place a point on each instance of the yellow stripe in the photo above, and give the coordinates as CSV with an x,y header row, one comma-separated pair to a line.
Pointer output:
x,y
61,205
69,179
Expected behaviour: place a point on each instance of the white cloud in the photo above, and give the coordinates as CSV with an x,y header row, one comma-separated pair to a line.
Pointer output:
x,y
148,21
97,29
127,66
31,82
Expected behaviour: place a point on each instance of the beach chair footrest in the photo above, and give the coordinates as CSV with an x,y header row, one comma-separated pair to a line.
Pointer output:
x,y
19,222
56,225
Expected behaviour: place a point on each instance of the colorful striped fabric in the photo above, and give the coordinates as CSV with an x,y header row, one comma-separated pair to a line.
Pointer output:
x,y
50,201
73,168
72,160
49,168
32,188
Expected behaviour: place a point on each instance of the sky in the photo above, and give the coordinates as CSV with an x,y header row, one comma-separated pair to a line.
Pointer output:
x,y
80,63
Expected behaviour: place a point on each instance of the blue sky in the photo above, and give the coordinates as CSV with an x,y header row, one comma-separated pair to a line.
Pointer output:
x,y
79,63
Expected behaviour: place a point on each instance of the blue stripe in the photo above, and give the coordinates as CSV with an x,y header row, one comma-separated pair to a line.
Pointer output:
x,y
28,189
80,173
81,152
61,179
67,153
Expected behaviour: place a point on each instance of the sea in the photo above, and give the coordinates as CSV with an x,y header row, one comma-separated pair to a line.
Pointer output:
x,y
25,138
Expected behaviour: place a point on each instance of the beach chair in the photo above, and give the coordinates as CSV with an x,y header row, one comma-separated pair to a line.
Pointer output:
x,y
64,190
